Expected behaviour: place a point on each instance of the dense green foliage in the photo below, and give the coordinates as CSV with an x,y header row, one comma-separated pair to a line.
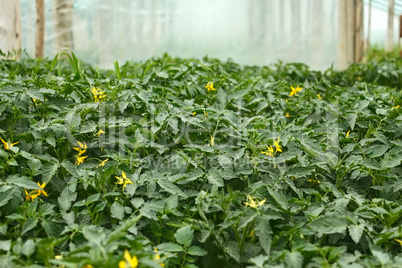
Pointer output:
x,y
198,190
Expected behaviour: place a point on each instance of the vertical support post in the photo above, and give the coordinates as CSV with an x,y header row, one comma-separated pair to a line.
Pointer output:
x,y
390,31
400,36
10,25
368,27
64,23
40,28
358,31
346,33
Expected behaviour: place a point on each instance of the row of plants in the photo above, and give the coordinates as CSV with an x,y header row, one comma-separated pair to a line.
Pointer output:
x,y
183,163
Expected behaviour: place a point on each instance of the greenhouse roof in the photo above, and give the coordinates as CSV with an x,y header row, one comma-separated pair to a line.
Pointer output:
x,y
383,4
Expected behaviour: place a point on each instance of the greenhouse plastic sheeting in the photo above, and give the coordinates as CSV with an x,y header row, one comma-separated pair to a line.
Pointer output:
x,y
250,32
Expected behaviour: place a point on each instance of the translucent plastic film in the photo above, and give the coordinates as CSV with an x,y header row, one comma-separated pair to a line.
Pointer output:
x,y
253,32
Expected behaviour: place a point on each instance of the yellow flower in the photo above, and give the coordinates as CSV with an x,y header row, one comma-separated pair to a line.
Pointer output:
x,y
158,257
269,152
82,149
8,145
347,134
287,115
210,86
130,262
35,193
212,140
314,181
399,241
294,90
87,266
123,180
31,196
80,160
194,113
99,95
252,203
102,164
319,96
278,148
396,107
100,132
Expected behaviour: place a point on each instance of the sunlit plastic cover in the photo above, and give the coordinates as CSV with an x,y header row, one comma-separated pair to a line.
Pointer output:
x,y
248,31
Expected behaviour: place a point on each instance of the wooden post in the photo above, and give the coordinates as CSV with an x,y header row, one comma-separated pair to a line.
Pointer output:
x,y
368,27
40,28
64,23
358,31
346,37
400,36
390,31
10,25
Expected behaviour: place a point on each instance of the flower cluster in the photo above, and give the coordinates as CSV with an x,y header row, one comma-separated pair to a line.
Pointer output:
x,y
294,90
123,180
254,204
129,262
271,150
210,86
81,150
8,144
35,193
99,95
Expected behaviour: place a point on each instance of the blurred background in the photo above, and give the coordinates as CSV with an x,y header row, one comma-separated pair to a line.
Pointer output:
x,y
320,33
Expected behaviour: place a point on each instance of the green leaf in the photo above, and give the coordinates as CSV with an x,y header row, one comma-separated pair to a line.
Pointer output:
x,y
264,233
294,259
170,247
170,187
34,94
65,200
215,178
391,161
184,236
356,232
28,248
232,248
352,120
279,198
93,234
238,94
163,74
6,196
23,182
221,94
196,251
371,164
117,211
72,169
300,171
48,171
5,245
29,225
328,224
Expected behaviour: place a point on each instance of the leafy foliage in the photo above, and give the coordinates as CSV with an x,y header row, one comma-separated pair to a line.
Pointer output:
x,y
172,174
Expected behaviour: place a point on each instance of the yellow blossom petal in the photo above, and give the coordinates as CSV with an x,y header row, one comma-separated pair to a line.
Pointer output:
x,y
210,86
102,164
212,140
347,134
399,241
294,90
100,132
80,160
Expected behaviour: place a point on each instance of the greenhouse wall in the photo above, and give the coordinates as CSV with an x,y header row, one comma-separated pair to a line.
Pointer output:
x,y
255,32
